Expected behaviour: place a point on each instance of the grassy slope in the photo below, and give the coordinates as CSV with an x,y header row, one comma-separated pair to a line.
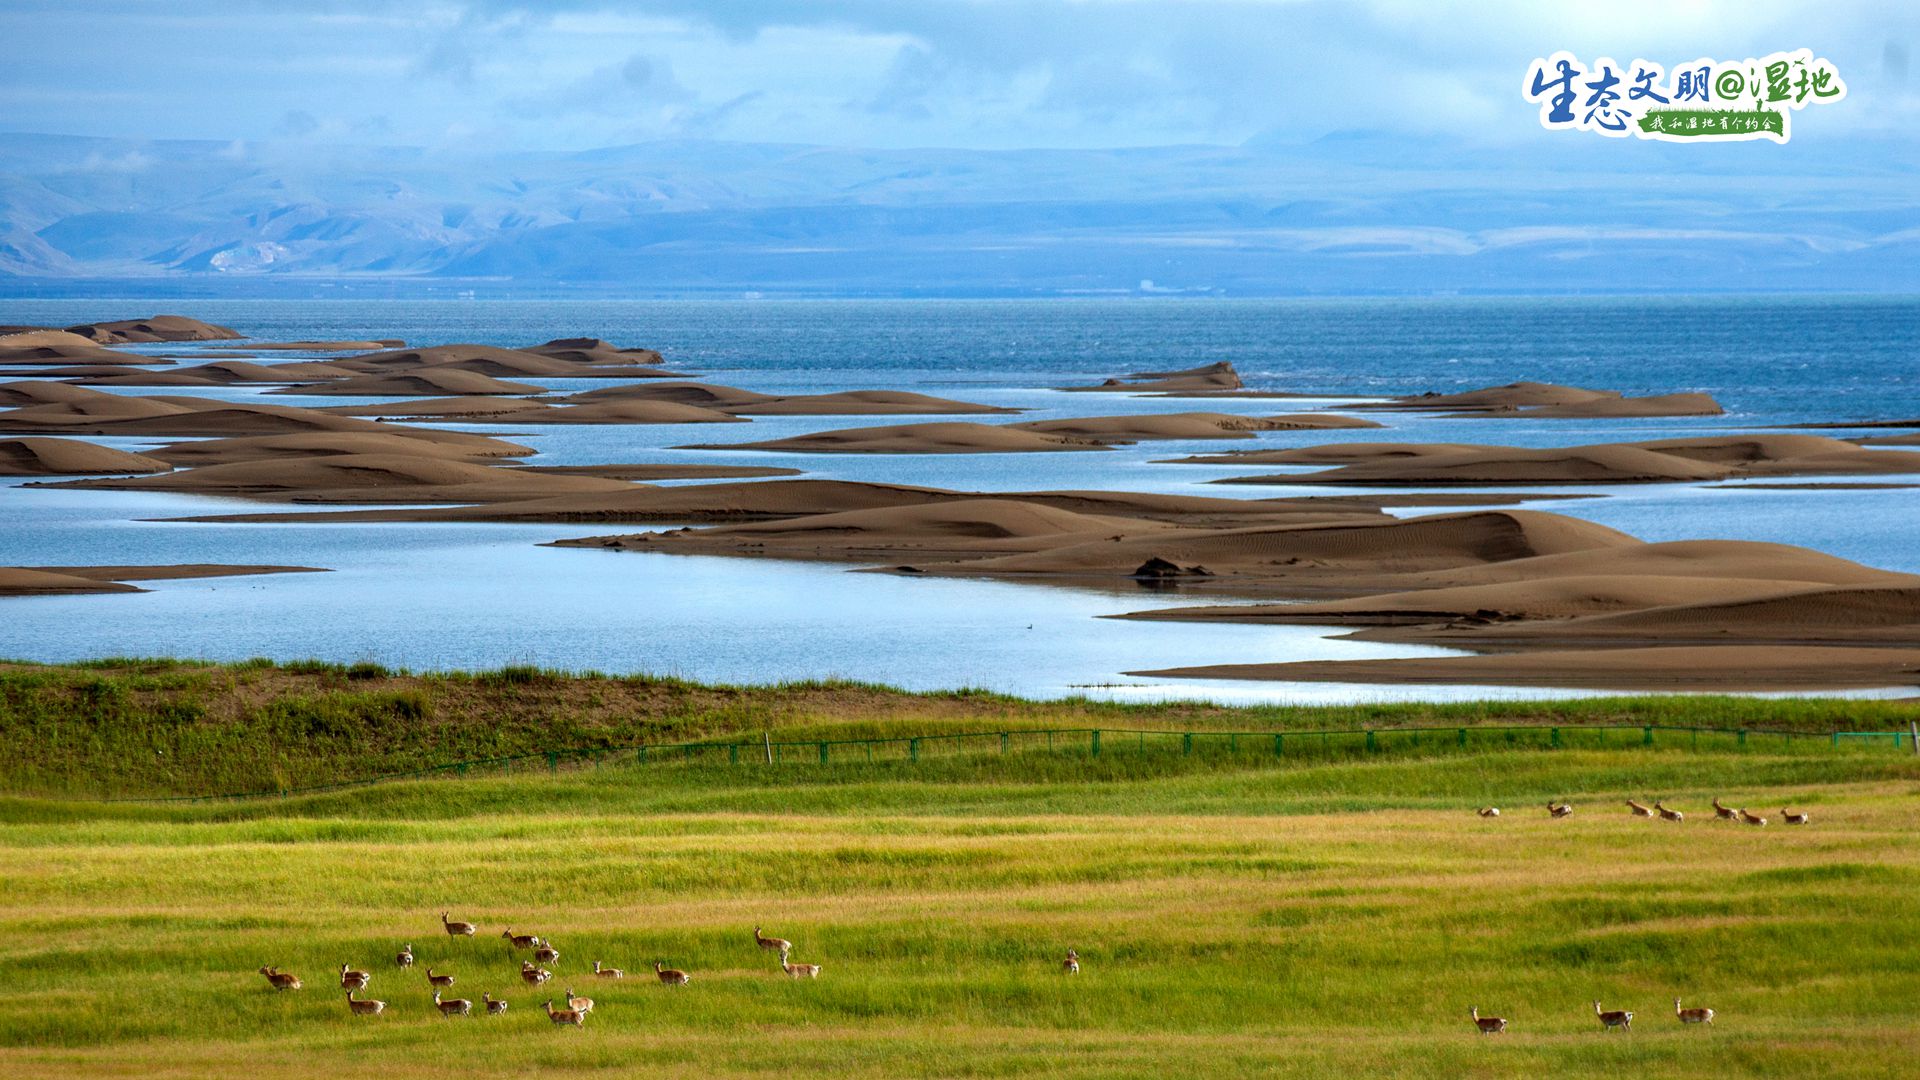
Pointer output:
x,y
1237,914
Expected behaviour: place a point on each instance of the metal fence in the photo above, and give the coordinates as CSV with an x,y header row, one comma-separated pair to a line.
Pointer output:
x,y
1093,743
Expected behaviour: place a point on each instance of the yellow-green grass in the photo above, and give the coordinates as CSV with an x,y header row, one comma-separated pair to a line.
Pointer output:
x,y
1234,915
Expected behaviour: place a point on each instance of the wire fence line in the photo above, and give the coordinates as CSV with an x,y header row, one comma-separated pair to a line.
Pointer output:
x,y
1092,743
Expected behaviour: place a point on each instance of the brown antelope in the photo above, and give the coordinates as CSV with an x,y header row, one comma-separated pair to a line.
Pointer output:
x,y
532,975
353,980
1488,811
1692,1016
438,981
669,975
565,1016
364,1007
1752,819
1613,1018
521,941
452,1006
799,971
494,1005
1638,810
404,958
1488,1025
578,1004
772,944
281,980
1071,965
607,972
1666,814
455,928
1560,810
545,954
1792,818
1724,813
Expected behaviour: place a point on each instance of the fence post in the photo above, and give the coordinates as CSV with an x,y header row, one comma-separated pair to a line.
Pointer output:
x,y
1646,735
553,762
1914,727
1003,742
733,753
1463,738
1836,738
1279,745
913,749
1186,743
1096,742
1742,738
823,753
1555,736
1370,743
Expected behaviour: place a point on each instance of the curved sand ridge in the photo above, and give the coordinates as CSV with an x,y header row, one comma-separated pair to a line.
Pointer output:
x,y
70,457
59,580
218,373
1551,401
1186,425
586,350
1208,378
152,329
495,362
732,399
425,382
317,443
955,437
361,478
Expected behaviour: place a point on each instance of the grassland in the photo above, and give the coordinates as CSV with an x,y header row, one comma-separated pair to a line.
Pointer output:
x,y
1237,913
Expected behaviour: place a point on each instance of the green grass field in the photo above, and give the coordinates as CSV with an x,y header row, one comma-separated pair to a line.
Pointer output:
x,y
1236,913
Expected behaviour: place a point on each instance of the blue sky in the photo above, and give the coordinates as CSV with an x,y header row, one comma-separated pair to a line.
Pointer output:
x,y
979,74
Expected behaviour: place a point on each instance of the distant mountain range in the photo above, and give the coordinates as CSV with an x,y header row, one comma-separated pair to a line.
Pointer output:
x,y
1356,213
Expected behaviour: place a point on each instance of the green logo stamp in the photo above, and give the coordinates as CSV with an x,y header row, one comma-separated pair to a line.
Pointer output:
x,y
1703,101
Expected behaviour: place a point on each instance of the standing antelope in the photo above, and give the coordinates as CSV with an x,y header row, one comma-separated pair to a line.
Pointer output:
x,y
455,928
404,957
1560,810
520,941
545,954
1752,819
494,1005
1613,1018
1692,1016
565,1016
1488,811
607,972
773,944
353,980
1666,814
1725,813
1638,810
1071,965
669,975
364,1008
1488,1025
533,976
799,971
1792,818
578,1004
453,1006
281,980
440,981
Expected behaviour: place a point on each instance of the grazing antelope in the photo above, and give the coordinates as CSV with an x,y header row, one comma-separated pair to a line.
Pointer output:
x,y
1488,1025
607,972
1792,818
1692,1016
565,1016
1613,1018
1560,810
545,954
353,980
1752,819
404,958
1725,813
494,1005
364,1007
578,1004
1071,965
669,975
1666,814
439,981
799,971
1638,810
454,928
453,1006
521,941
1488,811
774,944
533,976
281,980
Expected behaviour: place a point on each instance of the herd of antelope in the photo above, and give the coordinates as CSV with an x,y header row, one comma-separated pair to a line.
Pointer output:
x,y
1664,812
534,973
1610,1019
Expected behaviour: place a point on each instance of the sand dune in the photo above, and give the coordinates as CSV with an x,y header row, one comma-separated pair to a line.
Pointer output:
x,y
648,472
433,410
320,346
426,382
732,399
1726,667
156,328
57,580
957,437
1516,395
585,350
704,395
360,478
27,392
21,581
1186,425
1208,378
308,444
70,457
40,348
1732,559
92,412
495,362
1616,408
218,373
97,413
1510,466
488,411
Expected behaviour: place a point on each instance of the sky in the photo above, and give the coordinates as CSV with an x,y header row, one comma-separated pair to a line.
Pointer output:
x,y
973,74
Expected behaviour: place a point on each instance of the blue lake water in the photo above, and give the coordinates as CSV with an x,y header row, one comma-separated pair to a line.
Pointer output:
x,y
487,595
